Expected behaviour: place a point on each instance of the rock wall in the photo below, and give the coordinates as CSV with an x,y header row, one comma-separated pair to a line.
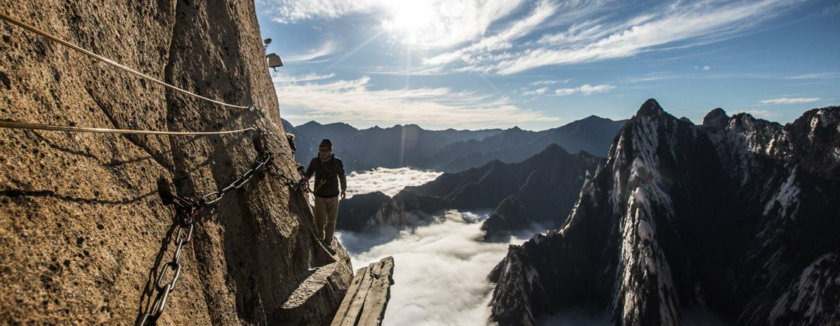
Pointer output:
x,y
82,219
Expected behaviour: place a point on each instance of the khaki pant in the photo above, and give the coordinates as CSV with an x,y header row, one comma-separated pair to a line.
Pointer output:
x,y
326,212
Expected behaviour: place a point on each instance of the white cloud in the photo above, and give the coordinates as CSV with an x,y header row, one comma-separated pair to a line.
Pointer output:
x,y
791,100
279,78
407,71
595,36
291,11
354,101
442,23
388,181
664,75
440,270
432,23
584,89
326,49
821,75
761,114
700,22
502,40
548,82
538,91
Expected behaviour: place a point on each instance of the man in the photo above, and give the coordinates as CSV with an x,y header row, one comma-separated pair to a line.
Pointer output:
x,y
329,174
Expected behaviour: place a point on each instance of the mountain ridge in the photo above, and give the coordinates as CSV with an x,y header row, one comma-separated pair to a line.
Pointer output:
x,y
546,184
447,150
732,217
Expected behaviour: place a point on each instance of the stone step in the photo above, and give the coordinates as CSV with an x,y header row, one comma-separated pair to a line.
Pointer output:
x,y
368,294
310,286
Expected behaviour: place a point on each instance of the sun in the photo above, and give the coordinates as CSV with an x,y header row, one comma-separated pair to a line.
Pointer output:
x,y
413,21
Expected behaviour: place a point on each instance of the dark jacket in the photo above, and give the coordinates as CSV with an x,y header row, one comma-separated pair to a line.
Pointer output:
x,y
331,171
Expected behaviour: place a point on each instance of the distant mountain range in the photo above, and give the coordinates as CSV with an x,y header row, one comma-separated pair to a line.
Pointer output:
x,y
447,150
544,188
738,216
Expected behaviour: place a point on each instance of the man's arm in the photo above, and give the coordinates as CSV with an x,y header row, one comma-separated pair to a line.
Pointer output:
x,y
310,169
341,178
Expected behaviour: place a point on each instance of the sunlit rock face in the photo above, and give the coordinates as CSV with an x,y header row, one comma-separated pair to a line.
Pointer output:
x,y
84,227
735,216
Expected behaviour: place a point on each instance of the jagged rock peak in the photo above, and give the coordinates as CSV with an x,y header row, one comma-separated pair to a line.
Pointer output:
x,y
650,108
716,117
823,117
554,148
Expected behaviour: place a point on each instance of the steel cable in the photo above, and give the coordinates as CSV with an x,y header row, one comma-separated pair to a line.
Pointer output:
x,y
112,62
39,126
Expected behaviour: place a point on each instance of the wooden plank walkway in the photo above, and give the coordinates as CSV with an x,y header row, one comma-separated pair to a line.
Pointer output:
x,y
368,294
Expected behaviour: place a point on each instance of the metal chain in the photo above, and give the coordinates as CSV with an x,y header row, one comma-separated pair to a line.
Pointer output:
x,y
299,185
188,210
216,196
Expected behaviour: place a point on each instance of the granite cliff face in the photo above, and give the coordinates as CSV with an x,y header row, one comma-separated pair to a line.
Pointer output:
x,y
82,220
736,216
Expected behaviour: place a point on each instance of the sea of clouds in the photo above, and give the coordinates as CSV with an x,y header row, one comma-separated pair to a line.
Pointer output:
x,y
388,181
440,262
440,269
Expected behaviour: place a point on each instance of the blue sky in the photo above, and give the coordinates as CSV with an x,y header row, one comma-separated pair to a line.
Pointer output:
x,y
471,64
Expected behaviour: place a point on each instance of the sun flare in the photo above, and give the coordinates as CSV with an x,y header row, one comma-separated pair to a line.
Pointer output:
x,y
413,21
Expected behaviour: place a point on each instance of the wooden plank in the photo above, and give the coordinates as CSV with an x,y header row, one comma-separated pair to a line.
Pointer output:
x,y
379,294
367,296
348,297
358,301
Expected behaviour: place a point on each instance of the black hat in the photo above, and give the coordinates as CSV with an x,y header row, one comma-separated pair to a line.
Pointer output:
x,y
326,143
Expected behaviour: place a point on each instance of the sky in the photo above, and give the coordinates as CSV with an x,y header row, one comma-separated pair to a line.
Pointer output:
x,y
476,64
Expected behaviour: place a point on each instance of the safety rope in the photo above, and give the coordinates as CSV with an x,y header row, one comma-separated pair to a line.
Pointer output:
x,y
39,126
112,62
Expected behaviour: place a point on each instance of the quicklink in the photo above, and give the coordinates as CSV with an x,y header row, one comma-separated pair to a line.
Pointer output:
x,y
187,211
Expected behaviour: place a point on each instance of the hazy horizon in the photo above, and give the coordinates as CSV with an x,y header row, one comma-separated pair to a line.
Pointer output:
x,y
535,130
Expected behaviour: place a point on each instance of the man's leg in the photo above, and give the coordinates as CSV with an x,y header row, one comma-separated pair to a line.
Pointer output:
x,y
332,215
320,216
